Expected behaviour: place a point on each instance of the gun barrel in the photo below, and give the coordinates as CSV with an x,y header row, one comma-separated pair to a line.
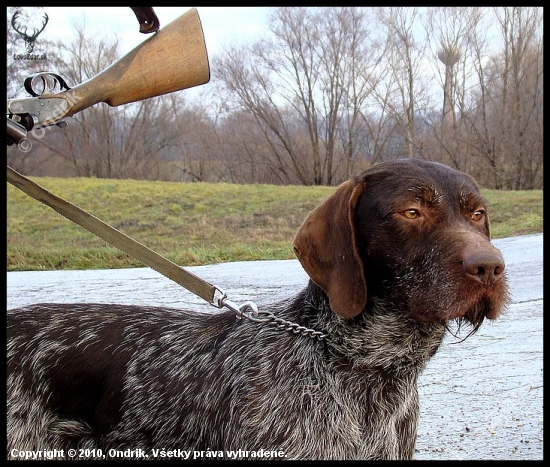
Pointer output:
x,y
15,132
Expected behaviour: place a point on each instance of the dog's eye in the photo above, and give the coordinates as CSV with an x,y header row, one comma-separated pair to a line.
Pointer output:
x,y
478,215
411,214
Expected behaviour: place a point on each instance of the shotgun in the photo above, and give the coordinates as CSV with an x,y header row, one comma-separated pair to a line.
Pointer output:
x,y
174,58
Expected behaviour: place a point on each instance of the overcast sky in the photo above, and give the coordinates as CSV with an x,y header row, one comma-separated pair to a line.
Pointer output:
x,y
221,25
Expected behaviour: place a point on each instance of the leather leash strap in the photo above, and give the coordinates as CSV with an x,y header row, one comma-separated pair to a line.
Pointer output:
x,y
113,236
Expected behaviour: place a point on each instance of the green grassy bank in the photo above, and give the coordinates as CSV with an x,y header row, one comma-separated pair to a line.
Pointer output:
x,y
191,223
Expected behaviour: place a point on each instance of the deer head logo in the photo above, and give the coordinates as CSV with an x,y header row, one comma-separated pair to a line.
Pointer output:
x,y
22,30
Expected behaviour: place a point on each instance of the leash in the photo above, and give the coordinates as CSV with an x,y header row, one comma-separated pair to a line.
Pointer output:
x,y
113,236
118,239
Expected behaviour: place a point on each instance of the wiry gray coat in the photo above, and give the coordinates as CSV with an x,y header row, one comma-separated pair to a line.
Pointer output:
x,y
393,255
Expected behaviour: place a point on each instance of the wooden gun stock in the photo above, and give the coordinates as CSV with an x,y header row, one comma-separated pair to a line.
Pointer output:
x,y
174,58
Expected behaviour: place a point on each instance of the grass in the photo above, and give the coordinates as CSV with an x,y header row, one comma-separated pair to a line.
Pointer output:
x,y
191,223
515,212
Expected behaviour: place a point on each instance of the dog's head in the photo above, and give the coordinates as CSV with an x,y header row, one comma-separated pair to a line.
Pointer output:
x,y
415,231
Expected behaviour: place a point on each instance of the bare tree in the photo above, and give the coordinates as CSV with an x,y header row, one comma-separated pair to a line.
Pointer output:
x,y
237,144
403,92
504,125
358,60
483,156
296,84
127,141
449,30
327,92
276,80
520,113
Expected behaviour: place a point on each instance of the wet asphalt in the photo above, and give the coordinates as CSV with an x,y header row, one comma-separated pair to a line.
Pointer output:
x,y
480,399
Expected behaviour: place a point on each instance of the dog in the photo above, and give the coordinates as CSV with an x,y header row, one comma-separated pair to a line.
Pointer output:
x,y
394,255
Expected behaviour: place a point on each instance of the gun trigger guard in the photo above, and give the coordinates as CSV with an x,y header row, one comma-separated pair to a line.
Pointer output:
x,y
42,83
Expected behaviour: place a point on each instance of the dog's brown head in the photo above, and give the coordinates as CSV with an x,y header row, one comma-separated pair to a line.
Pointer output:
x,y
414,231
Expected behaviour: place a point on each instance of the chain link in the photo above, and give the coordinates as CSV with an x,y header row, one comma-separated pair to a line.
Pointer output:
x,y
249,310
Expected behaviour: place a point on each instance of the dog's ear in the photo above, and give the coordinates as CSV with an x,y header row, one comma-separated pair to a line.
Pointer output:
x,y
326,246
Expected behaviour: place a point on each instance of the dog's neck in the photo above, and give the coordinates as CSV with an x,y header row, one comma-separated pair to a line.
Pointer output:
x,y
380,338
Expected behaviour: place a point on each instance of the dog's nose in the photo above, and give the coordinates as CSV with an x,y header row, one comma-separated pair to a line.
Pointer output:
x,y
484,266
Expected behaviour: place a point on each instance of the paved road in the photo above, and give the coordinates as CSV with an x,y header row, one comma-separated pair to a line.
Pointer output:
x,y
480,399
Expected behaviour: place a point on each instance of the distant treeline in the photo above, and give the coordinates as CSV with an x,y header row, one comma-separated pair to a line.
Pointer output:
x,y
323,94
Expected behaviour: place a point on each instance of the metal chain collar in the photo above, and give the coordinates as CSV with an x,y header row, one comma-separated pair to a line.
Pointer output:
x,y
250,311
